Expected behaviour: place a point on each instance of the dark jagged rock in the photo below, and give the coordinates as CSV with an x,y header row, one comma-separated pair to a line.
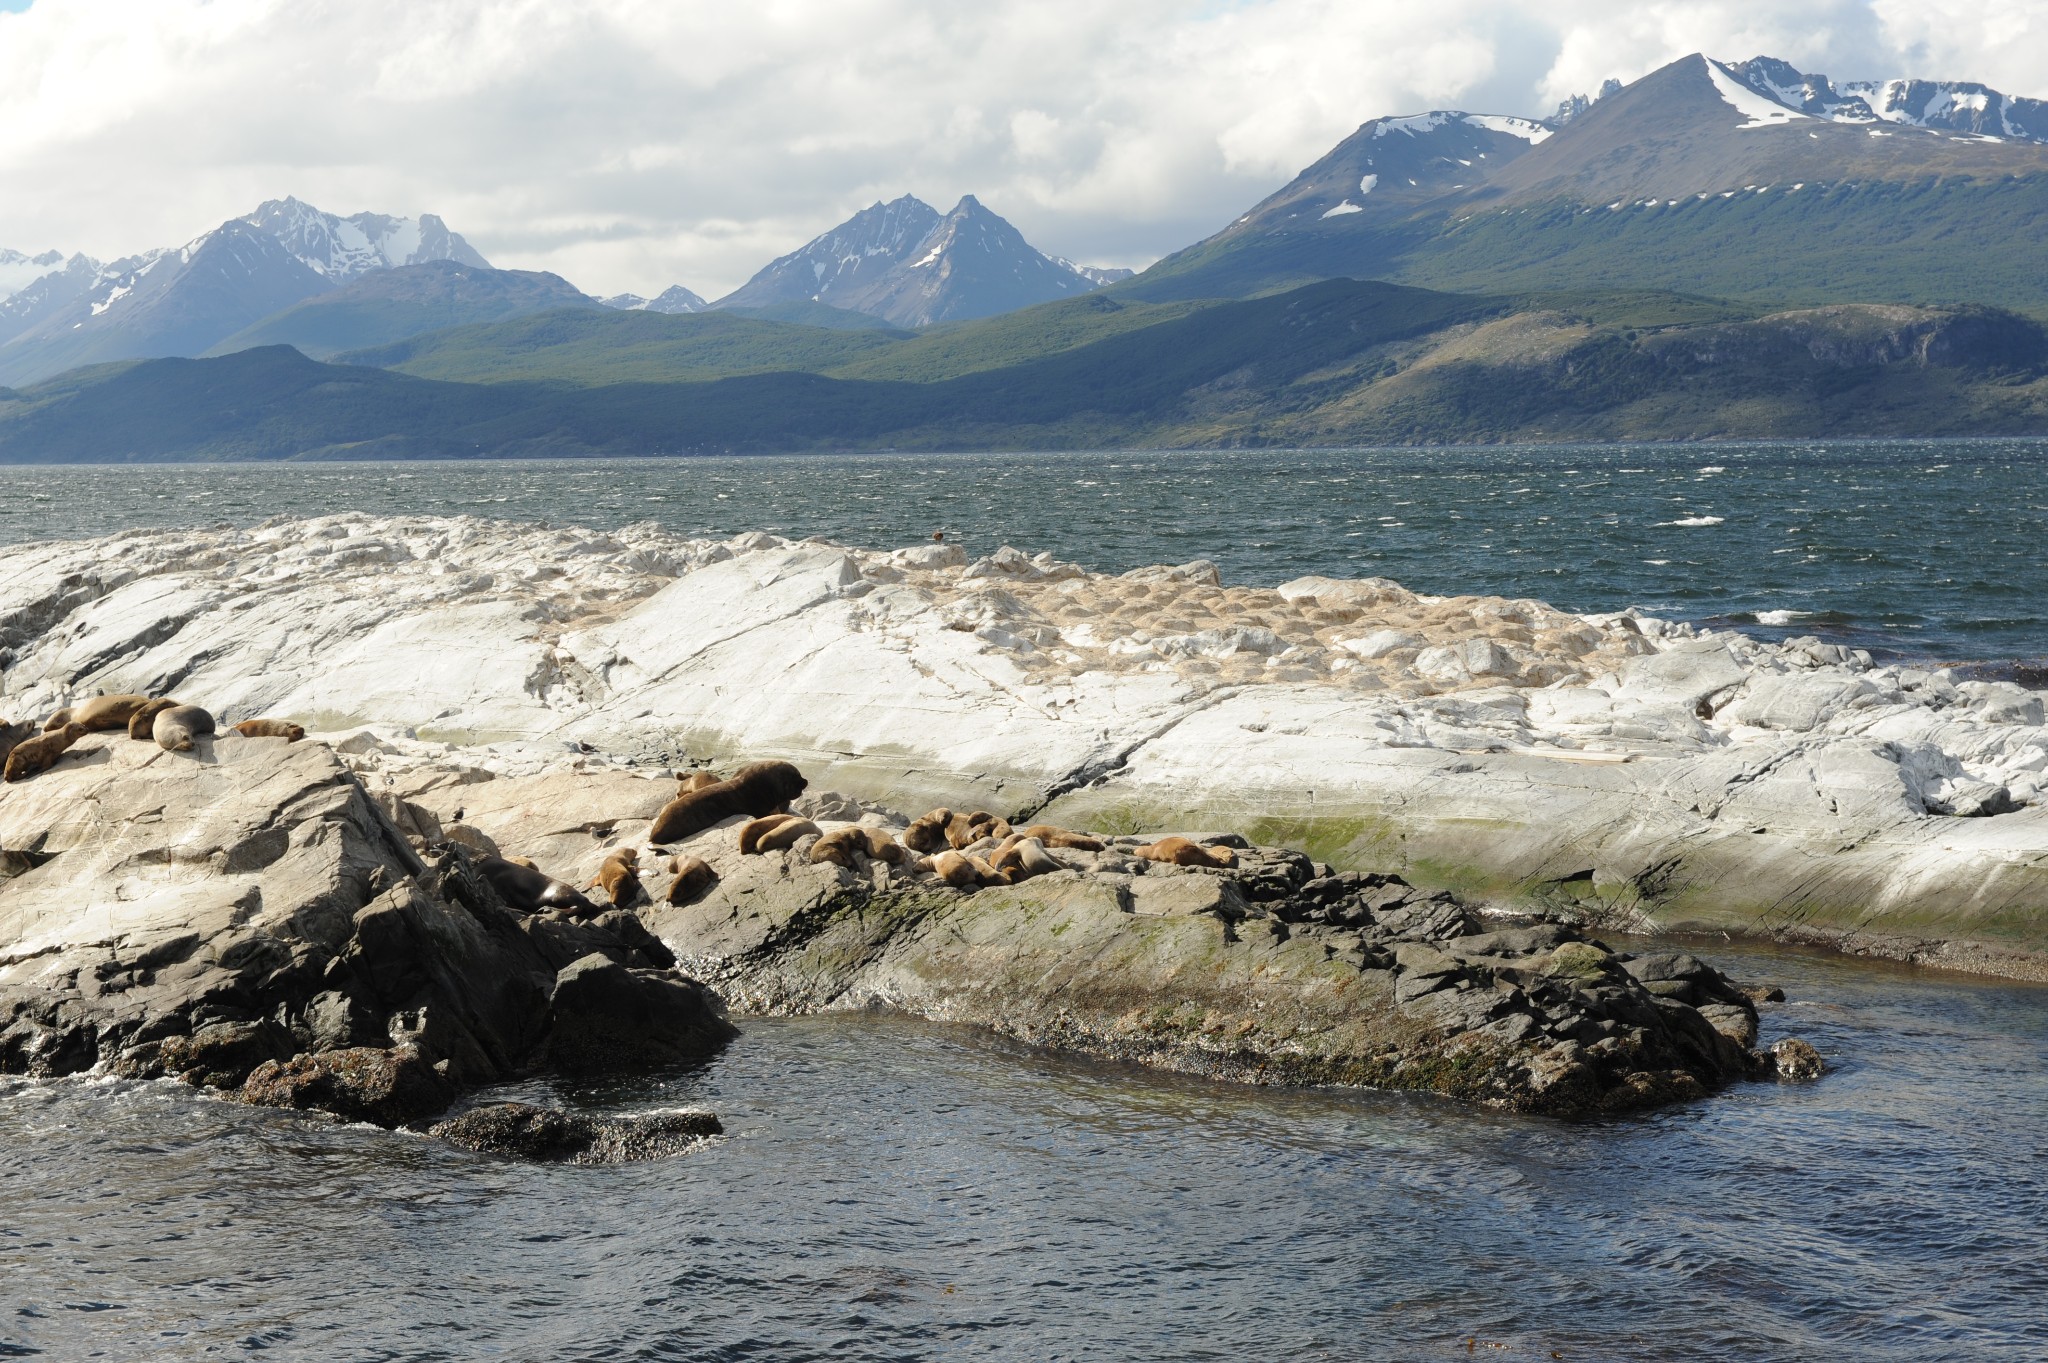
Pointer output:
x,y
389,1087
522,1131
611,1017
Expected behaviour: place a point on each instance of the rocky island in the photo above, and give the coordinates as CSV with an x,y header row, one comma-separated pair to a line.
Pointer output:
x,y
1417,823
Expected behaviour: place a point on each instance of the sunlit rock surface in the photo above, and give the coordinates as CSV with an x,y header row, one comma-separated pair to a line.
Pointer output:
x,y
1614,766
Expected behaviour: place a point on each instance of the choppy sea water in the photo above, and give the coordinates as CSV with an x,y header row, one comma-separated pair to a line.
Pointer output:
x,y
1928,549
896,1190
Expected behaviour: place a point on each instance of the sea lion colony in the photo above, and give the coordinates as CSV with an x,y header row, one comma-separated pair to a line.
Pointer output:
x,y
963,849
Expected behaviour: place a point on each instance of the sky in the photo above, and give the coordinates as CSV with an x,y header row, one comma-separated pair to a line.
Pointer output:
x,y
632,144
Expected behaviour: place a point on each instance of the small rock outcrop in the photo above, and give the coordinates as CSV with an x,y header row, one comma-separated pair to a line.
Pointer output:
x,y
246,918
549,1135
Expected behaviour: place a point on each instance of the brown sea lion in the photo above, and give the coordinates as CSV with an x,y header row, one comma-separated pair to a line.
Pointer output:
x,y
1182,852
57,721
784,834
956,870
12,734
270,728
693,876
762,788
175,729
842,845
1062,837
529,890
142,724
1023,859
620,876
928,834
103,713
696,780
40,753
964,830
752,833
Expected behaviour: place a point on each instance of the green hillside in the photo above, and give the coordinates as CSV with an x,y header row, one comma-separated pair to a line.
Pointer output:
x,y
590,346
1336,363
390,305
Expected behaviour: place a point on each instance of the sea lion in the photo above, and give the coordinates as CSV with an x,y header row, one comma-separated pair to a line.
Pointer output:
x,y
142,724
752,833
530,890
13,734
964,830
103,713
528,862
762,788
1182,852
1062,837
57,721
693,876
1023,859
928,834
620,876
784,834
696,780
176,728
842,845
270,728
40,753
956,870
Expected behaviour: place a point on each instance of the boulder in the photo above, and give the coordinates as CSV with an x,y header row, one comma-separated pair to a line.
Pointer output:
x,y
549,1135
388,1087
607,1017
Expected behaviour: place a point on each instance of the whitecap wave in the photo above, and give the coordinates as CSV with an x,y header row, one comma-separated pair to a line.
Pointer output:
x,y
1691,520
1780,617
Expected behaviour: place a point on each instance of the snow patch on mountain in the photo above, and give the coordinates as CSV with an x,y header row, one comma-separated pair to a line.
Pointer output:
x,y
1761,110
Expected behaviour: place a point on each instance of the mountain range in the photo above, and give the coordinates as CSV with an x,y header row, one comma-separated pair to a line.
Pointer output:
x,y
1715,249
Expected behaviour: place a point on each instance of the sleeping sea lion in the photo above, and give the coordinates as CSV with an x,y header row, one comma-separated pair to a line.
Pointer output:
x,y
693,876
1182,852
529,890
142,724
842,845
40,753
11,734
103,713
1062,837
964,830
270,728
57,721
956,870
752,833
928,834
176,728
696,780
1022,859
620,876
753,791
783,833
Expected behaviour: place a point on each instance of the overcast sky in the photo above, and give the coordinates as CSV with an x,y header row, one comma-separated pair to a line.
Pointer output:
x,y
631,144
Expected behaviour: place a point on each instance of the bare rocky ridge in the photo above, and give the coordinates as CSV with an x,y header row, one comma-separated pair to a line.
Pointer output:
x,y
1634,773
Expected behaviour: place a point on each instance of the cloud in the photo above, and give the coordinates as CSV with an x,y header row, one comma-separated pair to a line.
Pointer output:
x,y
629,144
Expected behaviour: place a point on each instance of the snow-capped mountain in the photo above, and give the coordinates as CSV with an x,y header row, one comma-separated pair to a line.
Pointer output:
x,y
345,248
1954,106
18,270
1747,179
185,300
904,262
673,299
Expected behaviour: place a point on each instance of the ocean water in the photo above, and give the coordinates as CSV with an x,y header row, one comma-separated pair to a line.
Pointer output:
x,y
897,1190
1928,550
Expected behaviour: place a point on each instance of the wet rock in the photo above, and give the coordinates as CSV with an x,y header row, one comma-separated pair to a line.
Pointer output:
x,y
522,1131
222,1054
610,1017
387,1087
1797,1061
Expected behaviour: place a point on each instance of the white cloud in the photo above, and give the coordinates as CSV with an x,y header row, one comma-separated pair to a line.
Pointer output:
x,y
629,144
